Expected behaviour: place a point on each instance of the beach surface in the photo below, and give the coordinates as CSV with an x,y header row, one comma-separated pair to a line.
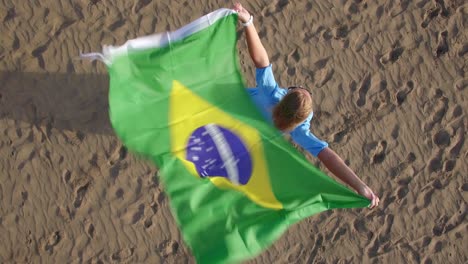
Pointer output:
x,y
389,86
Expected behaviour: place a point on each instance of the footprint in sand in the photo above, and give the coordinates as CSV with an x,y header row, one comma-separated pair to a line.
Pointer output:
x,y
429,15
292,254
459,139
422,242
339,31
338,233
80,194
425,195
294,56
291,71
442,45
24,198
10,14
317,245
441,138
119,194
413,255
443,9
401,192
461,51
438,112
292,59
439,228
326,35
115,170
381,98
116,161
380,243
90,230
464,187
43,133
118,23
379,11
154,207
37,53
352,85
456,219
52,241
25,154
404,167
73,138
351,8
360,41
363,89
137,216
324,76
134,214
399,8
403,188
436,247
148,222
160,197
378,155
123,254
448,165
95,160
461,84
421,3
391,56
118,155
281,4
360,225
321,63
338,136
401,95
168,248
395,131
435,162
140,4
275,7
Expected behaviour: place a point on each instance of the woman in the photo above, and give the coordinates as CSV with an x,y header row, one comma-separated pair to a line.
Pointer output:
x,y
292,110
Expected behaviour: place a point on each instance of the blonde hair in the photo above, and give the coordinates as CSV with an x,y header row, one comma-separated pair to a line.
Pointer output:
x,y
292,110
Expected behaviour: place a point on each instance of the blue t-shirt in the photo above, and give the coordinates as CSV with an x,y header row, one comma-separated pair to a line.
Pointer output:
x,y
267,94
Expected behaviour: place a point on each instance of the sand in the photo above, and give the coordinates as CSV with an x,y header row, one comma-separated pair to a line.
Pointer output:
x,y
390,94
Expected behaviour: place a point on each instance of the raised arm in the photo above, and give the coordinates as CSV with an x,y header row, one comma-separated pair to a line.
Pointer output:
x,y
337,166
256,50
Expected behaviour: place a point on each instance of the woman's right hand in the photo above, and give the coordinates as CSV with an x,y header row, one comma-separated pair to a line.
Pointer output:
x,y
243,14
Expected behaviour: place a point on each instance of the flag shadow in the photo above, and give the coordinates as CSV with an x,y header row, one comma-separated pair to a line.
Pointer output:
x,y
64,101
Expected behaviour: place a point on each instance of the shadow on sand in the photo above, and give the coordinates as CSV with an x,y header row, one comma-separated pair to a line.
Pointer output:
x,y
64,101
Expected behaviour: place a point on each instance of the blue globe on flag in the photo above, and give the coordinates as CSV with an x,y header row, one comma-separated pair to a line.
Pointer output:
x,y
218,152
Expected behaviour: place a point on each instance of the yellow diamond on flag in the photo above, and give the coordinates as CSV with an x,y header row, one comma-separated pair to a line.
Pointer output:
x,y
212,144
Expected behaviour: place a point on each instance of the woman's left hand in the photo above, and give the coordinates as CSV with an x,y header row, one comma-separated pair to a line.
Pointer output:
x,y
369,194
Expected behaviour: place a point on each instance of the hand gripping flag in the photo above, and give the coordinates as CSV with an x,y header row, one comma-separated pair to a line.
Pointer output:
x,y
233,182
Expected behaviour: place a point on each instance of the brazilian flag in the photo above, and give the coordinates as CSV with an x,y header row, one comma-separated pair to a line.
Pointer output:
x,y
234,183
